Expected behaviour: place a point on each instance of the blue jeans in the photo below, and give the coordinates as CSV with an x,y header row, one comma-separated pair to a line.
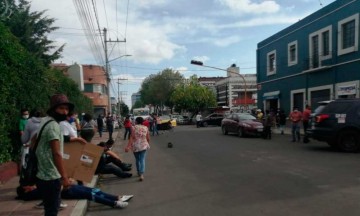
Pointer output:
x,y
94,194
154,128
50,192
295,131
140,161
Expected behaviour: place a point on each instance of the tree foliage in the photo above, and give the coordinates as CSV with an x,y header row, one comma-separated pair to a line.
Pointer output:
x,y
124,109
193,97
157,89
138,104
26,83
31,28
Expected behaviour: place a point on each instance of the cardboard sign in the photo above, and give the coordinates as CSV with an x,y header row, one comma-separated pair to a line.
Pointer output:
x,y
81,160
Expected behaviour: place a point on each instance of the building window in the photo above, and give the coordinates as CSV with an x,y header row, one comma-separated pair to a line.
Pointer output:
x,y
325,43
320,47
348,35
271,63
88,87
292,53
315,51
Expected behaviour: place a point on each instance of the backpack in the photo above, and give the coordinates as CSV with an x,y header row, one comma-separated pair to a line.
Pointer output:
x,y
109,121
30,169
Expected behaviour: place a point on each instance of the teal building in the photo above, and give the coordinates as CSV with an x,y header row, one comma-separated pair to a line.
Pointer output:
x,y
315,59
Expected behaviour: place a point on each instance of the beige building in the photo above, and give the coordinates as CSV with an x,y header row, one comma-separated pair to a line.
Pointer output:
x,y
92,81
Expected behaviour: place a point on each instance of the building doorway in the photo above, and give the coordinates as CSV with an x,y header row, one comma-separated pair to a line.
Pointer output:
x,y
320,95
298,99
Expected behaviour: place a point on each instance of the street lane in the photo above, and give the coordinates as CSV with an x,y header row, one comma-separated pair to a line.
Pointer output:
x,y
207,173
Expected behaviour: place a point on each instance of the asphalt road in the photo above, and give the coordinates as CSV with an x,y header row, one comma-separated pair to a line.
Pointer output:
x,y
207,173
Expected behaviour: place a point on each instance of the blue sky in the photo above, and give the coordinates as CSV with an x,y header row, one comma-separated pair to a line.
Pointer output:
x,y
168,34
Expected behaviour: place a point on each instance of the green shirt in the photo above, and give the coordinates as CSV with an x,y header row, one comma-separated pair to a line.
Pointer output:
x,y
46,165
22,124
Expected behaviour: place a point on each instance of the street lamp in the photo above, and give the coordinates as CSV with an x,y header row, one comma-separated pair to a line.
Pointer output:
x,y
200,63
118,58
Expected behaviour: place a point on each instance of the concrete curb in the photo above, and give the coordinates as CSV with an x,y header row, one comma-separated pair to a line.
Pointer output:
x,y
81,206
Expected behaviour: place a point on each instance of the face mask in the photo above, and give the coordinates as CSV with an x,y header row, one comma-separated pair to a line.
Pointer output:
x,y
25,116
59,117
71,120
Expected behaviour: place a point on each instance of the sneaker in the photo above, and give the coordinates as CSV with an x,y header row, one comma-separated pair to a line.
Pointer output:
x,y
120,204
125,198
141,178
63,205
39,205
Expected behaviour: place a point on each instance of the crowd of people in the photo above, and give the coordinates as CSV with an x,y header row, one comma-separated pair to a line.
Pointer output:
x,y
61,126
278,118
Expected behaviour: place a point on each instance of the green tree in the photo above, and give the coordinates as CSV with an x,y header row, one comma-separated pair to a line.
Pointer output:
x,y
25,82
157,89
124,109
32,28
193,97
138,104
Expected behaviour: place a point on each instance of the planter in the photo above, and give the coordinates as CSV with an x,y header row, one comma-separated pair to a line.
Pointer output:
x,y
8,170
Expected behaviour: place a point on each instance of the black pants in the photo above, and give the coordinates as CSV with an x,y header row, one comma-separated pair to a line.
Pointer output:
x,y
267,132
50,192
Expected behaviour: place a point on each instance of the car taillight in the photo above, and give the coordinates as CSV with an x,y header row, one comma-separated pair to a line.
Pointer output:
x,y
321,117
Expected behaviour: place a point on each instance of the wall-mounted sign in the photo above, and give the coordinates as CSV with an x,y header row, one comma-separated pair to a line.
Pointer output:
x,y
347,90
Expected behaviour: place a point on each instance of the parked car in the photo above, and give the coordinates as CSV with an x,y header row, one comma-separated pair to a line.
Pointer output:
x,y
242,124
166,122
338,124
212,119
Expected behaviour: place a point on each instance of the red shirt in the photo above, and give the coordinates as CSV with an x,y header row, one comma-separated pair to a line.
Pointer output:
x,y
146,123
306,114
295,116
127,123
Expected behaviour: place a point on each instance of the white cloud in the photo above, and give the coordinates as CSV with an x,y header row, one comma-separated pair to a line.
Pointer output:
x,y
247,6
201,58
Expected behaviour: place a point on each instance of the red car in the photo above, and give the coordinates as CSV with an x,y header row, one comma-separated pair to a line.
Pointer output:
x,y
241,124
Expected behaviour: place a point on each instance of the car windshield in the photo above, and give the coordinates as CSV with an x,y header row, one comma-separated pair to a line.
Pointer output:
x,y
246,117
165,117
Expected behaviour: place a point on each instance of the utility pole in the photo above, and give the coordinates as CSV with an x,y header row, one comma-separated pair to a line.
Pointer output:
x,y
107,65
119,101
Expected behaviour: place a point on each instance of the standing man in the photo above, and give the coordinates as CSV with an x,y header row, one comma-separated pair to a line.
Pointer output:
x,y
22,123
51,172
110,124
306,117
295,118
100,124
198,119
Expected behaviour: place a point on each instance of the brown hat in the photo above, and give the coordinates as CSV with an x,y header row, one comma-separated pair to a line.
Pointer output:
x,y
59,99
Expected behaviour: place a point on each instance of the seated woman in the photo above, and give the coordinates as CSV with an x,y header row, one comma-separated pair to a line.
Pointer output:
x,y
77,192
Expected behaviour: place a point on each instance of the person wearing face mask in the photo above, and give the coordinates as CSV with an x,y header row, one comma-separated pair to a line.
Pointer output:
x,y
30,130
23,120
69,132
51,171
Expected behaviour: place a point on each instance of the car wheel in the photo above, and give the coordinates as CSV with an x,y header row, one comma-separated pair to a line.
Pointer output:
x,y
205,124
224,131
240,132
348,141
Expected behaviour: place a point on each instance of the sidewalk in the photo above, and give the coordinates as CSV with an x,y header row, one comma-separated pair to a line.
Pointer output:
x,y
13,207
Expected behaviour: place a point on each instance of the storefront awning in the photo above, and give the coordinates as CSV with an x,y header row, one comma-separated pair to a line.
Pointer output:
x,y
271,95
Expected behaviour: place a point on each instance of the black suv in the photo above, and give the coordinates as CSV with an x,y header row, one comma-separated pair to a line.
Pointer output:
x,y
338,124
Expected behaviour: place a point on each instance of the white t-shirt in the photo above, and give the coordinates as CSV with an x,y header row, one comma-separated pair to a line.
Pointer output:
x,y
67,129
198,117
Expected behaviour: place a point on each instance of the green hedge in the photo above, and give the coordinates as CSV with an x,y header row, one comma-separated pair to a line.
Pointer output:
x,y
25,82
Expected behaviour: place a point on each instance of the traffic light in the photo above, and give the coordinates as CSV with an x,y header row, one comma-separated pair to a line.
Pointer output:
x,y
194,62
